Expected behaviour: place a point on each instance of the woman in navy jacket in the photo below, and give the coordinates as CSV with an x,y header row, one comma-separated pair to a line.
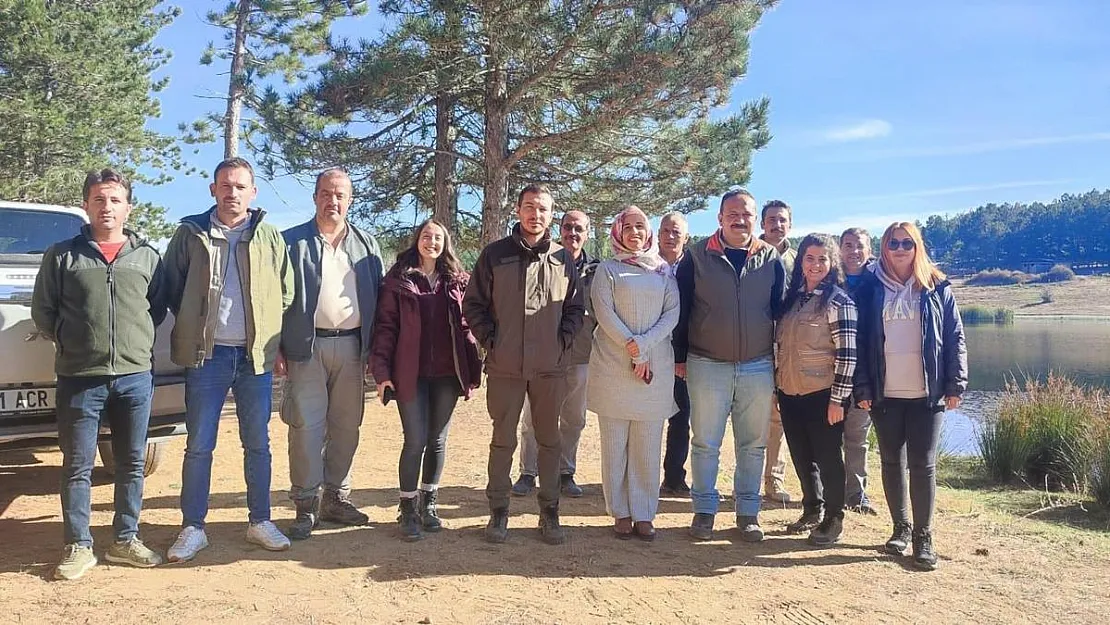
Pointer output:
x,y
912,366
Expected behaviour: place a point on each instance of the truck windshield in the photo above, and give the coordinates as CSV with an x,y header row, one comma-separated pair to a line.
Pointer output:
x,y
25,231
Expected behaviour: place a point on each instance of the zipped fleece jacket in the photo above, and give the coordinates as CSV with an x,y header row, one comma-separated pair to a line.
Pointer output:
x,y
100,315
195,262
725,315
298,330
944,350
524,306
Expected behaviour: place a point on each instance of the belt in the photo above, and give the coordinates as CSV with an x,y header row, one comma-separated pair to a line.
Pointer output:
x,y
331,334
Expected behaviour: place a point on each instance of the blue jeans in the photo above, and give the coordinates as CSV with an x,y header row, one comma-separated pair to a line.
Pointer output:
x,y
83,402
206,389
717,389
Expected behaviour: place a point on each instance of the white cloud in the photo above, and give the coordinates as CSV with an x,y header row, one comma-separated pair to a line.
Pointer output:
x,y
866,129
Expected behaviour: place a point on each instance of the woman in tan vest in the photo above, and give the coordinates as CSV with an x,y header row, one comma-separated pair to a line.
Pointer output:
x,y
815,340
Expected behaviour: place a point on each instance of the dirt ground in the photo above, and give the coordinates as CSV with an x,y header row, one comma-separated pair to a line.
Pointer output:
x,y
995,568
1083,296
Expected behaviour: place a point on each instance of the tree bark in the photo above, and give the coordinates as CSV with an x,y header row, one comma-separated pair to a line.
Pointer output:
x,y
495,187
446,191
235,89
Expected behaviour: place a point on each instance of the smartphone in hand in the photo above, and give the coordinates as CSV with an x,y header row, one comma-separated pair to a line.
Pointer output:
x,y
387,396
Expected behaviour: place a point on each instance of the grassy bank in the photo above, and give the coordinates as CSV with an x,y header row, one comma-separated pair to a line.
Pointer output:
x,y
985,314
1074,298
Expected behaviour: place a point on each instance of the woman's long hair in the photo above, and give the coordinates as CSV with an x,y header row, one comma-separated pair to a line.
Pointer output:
x,y
925,272
797,281
448,264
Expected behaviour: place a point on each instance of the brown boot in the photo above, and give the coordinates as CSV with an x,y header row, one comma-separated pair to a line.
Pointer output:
x,y
338,509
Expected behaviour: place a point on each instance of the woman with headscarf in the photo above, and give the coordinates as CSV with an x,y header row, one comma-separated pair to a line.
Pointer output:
x,y
912,367
631,381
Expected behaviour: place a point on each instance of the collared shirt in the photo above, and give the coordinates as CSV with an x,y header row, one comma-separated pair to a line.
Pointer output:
x,y
337,304
231,321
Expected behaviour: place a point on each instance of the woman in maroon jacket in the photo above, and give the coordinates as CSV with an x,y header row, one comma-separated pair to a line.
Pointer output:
x,y
424,354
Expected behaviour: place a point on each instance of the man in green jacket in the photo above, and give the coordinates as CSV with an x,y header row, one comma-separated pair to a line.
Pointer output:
x,y
99,296
229,282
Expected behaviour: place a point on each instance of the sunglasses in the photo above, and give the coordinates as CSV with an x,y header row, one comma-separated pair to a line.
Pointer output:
x,y
906,244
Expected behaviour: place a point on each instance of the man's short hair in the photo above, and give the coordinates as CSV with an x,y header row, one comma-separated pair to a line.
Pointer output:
x,y
105,175
674,216
328,173
735,192
233,163
535,187
775,204
859,233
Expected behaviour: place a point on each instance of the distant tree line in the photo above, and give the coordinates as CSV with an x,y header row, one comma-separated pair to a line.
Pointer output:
x,y
1074,230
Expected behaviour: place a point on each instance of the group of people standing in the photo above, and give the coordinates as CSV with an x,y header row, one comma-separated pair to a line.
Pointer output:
x,y
657,333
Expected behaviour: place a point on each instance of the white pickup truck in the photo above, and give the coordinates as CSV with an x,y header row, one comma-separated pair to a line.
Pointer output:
x,y
27,360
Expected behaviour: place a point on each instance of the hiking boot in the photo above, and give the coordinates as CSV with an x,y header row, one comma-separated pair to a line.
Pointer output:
x,y
808,521
77,561
308,519
750,531
863,507
266,535
429,512
550,529
497,530
568,487
924,558
132,552
409,519
336,508
189,542
899,540
828,532
702,526
676,489
776,492
524,485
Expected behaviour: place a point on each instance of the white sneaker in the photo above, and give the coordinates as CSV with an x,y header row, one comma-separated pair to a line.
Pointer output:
x,y
268,536
189,542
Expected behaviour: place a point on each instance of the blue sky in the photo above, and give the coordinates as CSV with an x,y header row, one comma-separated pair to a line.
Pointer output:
x,y
881,110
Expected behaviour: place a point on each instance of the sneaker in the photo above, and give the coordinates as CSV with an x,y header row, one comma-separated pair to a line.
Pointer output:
x,y
429,511
551,530
409,520
924,558
336,508
899,540
863,507
805,523
828,532
702,526
189,542
677,489
266,535
568,487
776,492
525,484
750,532
132,552
497,530
77,561
308,519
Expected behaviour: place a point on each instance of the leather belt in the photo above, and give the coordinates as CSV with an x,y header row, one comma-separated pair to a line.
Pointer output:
x,y
331,334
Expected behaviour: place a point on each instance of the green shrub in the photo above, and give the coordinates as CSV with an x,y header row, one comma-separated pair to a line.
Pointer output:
x,y
998,277
1058,273
985,314
1100,469
1046,434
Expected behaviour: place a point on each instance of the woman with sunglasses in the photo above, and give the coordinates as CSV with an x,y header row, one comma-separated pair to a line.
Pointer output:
x,y
912,366
424,354
631,381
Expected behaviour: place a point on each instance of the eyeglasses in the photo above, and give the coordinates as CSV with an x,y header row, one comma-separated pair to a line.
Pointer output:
x,y
571,228
906,244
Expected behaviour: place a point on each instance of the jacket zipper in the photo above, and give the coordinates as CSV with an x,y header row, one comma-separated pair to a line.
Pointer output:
x,y
111,321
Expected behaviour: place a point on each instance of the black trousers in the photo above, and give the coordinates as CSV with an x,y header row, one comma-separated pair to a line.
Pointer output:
x,y
816,449
908,431
678,437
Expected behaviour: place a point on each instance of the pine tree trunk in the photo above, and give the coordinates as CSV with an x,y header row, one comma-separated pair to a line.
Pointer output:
x,y
235,90
495,188
446,191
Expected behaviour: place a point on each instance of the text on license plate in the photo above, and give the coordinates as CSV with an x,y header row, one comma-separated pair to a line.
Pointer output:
x,y
24,399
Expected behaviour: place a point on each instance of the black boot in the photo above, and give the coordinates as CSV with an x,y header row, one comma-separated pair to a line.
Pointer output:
x,y
550,529
924,557
899,539
308,518
429,513
497,530
409,520
336,508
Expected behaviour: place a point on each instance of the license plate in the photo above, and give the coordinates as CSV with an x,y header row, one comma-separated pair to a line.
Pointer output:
x,y
26,400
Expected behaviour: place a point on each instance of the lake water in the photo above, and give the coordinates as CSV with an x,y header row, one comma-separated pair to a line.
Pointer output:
x,y
1076,348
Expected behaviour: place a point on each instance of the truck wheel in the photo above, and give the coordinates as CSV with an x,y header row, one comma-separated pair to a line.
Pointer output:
x,y
154,453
